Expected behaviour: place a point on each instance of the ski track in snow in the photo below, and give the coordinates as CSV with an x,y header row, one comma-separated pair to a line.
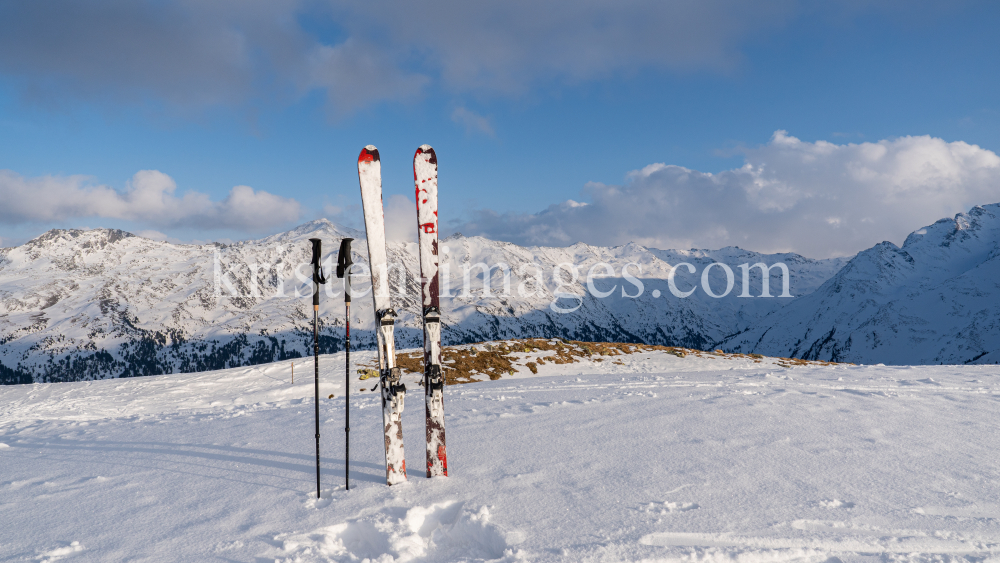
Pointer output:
x,y
656,459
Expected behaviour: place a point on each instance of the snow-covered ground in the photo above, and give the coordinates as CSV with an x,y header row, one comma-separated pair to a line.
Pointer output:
x,y
649,457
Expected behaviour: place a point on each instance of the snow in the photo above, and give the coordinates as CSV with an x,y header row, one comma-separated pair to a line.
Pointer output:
x,y
425,176
930,301
645,457
100,303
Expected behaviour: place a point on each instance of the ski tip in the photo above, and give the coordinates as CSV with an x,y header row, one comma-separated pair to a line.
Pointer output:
x,y
428,150
369,154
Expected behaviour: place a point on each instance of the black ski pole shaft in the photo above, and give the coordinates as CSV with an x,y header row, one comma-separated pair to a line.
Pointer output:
x,y
318,278
344,263
316,363
347,402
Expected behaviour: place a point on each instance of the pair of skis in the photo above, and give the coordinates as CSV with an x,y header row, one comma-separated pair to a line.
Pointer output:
x,y
392,390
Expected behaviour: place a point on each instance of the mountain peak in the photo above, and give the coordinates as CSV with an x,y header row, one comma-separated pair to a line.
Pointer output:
x,y
322,228
90,237
928,301
317,224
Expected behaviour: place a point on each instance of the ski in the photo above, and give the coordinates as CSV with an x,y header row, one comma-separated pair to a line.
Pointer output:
x,y
392,390
425,176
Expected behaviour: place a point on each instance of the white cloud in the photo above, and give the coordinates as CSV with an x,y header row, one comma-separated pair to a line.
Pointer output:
x,y
195,54
148,200
506,47
818,199
182,52
400,219
355,75
247,209
472,121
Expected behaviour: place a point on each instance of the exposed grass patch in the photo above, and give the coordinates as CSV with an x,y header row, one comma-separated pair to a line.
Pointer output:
x,y
493,360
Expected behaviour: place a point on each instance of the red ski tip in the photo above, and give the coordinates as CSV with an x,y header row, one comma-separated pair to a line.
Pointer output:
x,y
428,150
368,154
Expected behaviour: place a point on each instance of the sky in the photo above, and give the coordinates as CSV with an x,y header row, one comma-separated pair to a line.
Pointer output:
x,y
817,128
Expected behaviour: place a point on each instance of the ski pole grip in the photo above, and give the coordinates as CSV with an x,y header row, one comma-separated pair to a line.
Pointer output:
x,y
344,263
317,248
317,256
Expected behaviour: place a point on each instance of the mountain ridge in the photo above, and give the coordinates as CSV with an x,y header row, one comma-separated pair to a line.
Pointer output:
x,y
90,304
926,302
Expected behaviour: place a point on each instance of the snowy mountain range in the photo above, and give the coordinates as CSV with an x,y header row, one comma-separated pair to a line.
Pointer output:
x,y
100,303
932,301
91,304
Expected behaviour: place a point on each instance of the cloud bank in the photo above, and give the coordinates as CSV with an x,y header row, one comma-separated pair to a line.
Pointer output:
x,y
149,199
195,54
818,199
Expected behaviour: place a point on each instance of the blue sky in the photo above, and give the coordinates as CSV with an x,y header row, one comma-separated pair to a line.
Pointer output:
x,y
532,110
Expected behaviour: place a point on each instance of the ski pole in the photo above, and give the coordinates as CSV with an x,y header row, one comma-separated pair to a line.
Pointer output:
x,y
318,278
344,263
